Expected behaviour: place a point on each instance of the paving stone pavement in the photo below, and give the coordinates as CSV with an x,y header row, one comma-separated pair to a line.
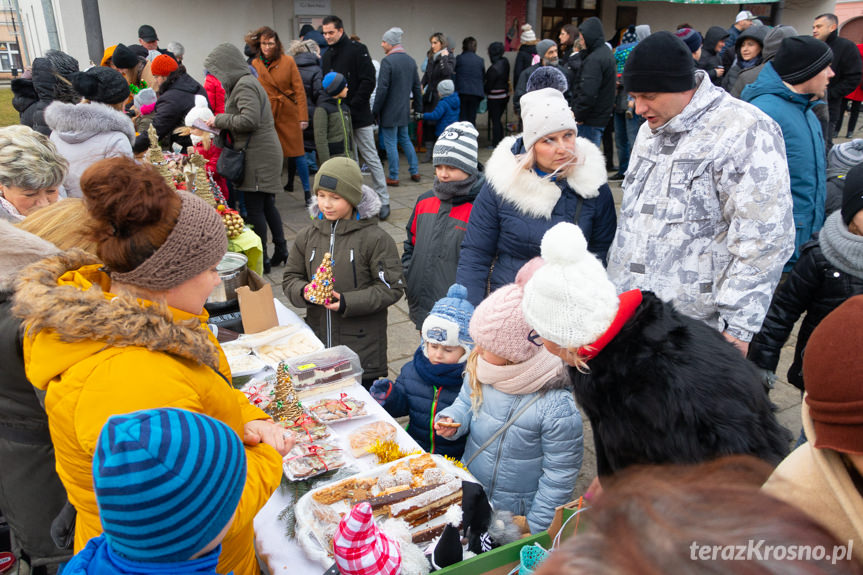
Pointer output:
x,y
403,338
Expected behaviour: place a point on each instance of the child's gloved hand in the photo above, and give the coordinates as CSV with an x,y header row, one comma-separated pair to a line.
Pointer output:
x,y
380,389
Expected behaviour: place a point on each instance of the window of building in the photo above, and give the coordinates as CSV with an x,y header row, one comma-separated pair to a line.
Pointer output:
x,y
556,13
10,57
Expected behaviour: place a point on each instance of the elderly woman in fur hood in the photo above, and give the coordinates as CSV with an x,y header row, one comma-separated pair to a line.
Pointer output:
x,y
127,331
545,176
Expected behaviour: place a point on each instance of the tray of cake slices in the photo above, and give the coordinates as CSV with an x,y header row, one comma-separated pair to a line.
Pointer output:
x,y
316,448
251,353
338,406
332,368
417,489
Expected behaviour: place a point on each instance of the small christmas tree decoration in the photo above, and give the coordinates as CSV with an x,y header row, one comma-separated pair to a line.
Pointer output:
x,y
157,158
286,403
202,181
320,290
233,221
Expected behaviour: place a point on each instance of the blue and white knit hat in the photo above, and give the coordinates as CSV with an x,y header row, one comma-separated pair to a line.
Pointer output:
x,y
167,482
447,322
457,147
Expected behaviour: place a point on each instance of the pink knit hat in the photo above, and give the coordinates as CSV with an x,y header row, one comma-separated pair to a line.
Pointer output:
x,y
361,548
498,324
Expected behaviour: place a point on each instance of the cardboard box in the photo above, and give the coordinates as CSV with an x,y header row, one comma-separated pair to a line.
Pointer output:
x,y
256,305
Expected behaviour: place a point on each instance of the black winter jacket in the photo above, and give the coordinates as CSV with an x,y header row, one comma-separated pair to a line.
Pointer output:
x,y
846,64
48,83
352,60
497,75
435,231
437,70
309,66
594,98
523,59
23,100
177,97
469,74
710,59
814,287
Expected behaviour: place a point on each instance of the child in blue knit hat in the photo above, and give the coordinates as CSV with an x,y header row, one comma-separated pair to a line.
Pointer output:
x,y
432,381
167,483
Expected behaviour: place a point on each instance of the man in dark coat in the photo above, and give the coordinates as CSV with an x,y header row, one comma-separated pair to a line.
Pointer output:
x,y
847,64
710,61
469,80
398,81
352,60
547,50
595,95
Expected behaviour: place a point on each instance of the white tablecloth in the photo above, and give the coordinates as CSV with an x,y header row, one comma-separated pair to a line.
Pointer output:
x,y
280,555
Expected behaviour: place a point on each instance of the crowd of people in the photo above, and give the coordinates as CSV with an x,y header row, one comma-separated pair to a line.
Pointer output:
x,y
537,302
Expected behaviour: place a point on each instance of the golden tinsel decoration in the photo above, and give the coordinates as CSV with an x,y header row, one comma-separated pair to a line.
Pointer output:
x,y
389,450
286,403
456,462
201,183
157,158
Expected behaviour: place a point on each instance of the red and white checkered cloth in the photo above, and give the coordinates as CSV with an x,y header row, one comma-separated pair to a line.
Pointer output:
x,y
361,548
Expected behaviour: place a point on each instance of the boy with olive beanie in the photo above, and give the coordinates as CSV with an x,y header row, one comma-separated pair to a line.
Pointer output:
x,y
367,273
167,482
439,219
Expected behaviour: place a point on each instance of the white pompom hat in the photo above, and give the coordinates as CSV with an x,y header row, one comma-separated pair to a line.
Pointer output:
x,y
569,300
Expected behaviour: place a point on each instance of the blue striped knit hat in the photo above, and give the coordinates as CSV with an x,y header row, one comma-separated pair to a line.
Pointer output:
x,y
447,322
167,482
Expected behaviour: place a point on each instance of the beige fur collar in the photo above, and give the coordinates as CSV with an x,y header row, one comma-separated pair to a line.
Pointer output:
x,y
78,315
535,196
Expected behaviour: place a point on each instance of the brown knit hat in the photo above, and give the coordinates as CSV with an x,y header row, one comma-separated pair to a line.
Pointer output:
x,y
833,371
197,243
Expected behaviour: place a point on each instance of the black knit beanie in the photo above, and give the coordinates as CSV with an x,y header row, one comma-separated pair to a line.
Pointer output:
x,y
800,58
101,84
662,62
123,57
852,195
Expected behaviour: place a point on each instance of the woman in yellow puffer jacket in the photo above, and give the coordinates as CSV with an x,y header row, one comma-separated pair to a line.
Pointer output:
x,y
129,333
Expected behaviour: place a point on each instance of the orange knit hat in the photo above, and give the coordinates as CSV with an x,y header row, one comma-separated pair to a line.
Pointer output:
x,y
163,65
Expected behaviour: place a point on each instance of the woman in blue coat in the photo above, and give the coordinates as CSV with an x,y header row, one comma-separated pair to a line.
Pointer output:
x,y
545,176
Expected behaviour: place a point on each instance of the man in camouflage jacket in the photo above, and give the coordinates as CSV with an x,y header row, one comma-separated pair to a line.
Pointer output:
x,y
706,220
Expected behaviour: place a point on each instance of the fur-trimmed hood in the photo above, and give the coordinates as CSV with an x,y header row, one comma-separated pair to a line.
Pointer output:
x,y
535,196
19,249
63,300
76,123
369,206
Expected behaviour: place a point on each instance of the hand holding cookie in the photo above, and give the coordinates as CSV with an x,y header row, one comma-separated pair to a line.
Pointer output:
x,y
446,427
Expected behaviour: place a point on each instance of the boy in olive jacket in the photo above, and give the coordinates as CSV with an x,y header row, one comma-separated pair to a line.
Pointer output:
x,y
367,272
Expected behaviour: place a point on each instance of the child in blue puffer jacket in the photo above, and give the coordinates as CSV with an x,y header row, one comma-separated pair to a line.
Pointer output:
x,y
518,412
448,107
433,379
